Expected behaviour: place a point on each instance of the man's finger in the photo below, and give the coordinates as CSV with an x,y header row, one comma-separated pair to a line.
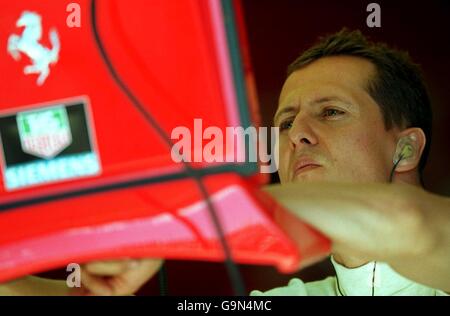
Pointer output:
x,y
133,279
95,284
110,268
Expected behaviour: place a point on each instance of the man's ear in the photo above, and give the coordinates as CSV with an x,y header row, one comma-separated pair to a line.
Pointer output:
x,y
410,145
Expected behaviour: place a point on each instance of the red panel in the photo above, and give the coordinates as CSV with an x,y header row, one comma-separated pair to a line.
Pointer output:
x,y
172,56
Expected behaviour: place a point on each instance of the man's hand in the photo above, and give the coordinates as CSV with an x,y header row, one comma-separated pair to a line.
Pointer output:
x,y
370,221
121,277
399,224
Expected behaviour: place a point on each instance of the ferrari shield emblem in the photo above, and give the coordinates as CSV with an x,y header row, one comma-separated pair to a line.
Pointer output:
x,y
44,133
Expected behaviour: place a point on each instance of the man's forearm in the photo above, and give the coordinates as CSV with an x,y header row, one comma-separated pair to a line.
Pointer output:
x,y
356,217
385,222
432,267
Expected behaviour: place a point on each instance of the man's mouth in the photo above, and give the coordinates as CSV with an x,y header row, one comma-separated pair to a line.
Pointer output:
x,y
304,165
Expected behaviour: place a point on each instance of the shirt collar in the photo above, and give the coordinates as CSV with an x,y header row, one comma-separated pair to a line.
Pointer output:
x,y
372,278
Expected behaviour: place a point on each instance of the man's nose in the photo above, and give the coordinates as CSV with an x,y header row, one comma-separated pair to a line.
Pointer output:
x,y
301,133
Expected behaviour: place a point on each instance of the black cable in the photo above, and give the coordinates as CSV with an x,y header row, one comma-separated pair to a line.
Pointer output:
x,y
232,269
391,176
373,281
373,278
338,286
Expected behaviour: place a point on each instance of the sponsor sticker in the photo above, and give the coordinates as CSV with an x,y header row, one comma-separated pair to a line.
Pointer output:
x,y
46,144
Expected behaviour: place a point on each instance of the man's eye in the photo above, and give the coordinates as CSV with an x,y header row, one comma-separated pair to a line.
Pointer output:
x,y
285,125
332,112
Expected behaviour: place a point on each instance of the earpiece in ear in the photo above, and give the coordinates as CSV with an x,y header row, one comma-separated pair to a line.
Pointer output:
x,y
405,149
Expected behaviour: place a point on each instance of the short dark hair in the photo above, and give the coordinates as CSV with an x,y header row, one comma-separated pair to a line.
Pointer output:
x,y
397,87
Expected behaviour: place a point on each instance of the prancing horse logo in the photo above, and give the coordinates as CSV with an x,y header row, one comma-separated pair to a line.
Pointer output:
x,y
29,45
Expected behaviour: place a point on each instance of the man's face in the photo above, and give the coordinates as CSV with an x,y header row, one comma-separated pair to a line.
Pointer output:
x,y
330,127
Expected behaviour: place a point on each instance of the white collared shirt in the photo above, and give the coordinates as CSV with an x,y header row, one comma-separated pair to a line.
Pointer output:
x,y
373,278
